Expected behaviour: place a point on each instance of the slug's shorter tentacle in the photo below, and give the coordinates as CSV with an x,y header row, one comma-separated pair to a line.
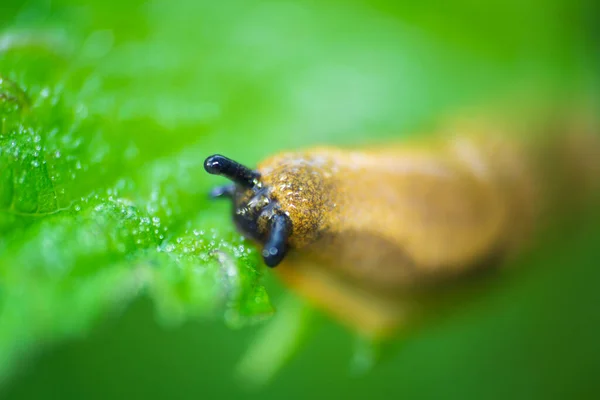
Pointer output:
x,y
276,245
225,191
221,165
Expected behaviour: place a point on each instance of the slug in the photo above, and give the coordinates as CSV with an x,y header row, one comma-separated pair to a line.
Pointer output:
x,y
362,233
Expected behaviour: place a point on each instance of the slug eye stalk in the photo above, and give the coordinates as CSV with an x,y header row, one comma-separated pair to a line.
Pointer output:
x,y
234,171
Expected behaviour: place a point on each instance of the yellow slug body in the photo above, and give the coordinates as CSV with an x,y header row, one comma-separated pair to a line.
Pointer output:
x,y
371,235
373,228
391,218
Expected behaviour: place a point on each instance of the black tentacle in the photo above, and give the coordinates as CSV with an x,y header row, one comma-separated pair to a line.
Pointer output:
x,y
276,245
239,174
224,191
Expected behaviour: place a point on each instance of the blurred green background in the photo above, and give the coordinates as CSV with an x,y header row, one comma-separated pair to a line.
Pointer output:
x,y
119,279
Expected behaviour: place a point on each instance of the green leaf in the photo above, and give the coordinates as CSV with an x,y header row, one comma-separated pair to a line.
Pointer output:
x,y
94,211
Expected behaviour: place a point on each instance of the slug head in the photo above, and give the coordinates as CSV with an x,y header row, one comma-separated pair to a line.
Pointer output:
x,y
255,212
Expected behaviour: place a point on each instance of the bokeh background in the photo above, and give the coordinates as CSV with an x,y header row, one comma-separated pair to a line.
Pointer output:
x,y
128,97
